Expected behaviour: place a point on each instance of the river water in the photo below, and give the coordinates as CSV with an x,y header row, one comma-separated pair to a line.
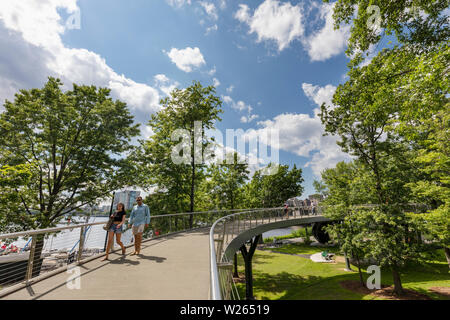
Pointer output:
x,y
68,239
95,236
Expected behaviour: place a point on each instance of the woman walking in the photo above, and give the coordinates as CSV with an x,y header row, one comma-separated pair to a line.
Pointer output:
x,y
116,228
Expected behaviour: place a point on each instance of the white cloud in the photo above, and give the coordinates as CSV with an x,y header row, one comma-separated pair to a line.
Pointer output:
x,y
222,4
241,106
216,82
212,71
31,30
327,42
273,21
146,132
164,84
250,118
211,29
230,89
186,59
210,9
318,94
227,99
178,3
302,134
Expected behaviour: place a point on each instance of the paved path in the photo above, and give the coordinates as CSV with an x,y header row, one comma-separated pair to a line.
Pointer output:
x,y
170,268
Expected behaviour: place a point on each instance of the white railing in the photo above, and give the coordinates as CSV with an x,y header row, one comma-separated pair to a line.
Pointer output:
x,y
45,252
225,229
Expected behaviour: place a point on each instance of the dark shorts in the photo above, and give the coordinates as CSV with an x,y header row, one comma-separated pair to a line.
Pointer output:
x,y
114,228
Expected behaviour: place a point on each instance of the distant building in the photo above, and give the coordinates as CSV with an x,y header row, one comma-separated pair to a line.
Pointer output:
x,y
127,197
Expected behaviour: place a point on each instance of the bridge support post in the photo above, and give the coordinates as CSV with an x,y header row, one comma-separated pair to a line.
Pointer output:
x,y
248,255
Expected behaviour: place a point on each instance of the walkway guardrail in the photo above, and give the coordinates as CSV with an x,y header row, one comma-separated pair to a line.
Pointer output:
x,y
33,255
225,229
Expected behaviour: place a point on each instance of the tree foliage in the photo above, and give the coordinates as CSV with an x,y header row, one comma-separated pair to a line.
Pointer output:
x,y
178,183
269,191
73,143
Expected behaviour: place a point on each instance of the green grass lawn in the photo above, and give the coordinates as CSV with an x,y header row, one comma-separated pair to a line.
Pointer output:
x,y
284,277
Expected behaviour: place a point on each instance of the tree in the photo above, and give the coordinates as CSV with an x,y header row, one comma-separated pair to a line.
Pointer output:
x,y
368,107
419,23
179,134
405,91
71,141
269,191
225,182
12,179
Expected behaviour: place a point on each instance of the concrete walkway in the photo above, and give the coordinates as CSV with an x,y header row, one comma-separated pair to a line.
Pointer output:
x,y
170,268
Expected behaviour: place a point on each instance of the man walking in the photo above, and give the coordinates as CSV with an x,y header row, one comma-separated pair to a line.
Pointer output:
x,y
139,219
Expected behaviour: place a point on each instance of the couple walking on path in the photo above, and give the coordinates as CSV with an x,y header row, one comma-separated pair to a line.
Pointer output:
x,y
139,220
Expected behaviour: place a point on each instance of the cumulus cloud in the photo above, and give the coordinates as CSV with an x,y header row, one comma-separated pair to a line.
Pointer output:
x,y
302,134
216,82
164,84
327,42
283,23
186,59
319,94
274,21
31,30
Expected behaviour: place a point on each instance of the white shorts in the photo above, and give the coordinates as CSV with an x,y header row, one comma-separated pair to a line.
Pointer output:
x,y
138,229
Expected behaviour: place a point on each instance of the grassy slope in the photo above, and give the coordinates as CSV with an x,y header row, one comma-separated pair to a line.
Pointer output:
x,y
285,277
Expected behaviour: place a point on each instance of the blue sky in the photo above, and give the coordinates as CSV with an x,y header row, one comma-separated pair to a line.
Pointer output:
x,y
276,61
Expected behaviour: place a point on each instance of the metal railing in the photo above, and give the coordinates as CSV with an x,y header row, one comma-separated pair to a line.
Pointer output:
x,y
45,252
225,229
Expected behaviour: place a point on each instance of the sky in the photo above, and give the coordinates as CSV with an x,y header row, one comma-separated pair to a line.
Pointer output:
x,y
272,62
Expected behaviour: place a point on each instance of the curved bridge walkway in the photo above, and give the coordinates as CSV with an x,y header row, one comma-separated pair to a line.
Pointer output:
x,y
172,267
169,268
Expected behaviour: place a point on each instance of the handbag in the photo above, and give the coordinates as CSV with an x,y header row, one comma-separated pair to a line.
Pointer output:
x,y
109,223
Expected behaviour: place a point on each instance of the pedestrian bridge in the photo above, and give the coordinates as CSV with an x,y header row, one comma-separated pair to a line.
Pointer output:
x,y
190,261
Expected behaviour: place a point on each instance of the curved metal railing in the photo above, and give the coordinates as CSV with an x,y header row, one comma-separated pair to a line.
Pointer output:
x,y
225,229
79,242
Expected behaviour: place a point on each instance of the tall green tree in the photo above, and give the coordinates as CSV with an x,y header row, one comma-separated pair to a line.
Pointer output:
x,y
269,191
173,157
368,108
224,183
422,24
72,141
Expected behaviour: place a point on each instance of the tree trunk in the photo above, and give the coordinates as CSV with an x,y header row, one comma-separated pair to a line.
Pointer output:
x,y
447,255
235,274
361,279
398,288
191,217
